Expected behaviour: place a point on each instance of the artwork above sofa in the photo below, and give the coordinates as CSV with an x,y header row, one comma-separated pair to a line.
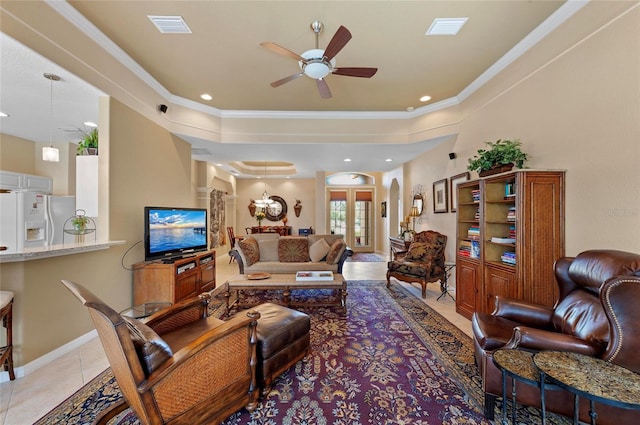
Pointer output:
x,y
272,253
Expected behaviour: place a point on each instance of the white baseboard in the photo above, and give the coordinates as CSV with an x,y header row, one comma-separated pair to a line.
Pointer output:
x,y
48,358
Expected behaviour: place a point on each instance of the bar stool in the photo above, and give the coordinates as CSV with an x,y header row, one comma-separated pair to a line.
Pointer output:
x,y
6,315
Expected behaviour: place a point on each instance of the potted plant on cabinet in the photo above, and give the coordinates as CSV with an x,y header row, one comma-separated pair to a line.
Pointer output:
x,y
89,144
500,156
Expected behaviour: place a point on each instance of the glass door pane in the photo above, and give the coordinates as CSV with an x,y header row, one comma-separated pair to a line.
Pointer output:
x,y
362,221
338,217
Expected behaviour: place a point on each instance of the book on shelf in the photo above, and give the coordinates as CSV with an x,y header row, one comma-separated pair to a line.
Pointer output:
x,y
511,214
503,240
509,258
509,190
475,195
475,249
464,248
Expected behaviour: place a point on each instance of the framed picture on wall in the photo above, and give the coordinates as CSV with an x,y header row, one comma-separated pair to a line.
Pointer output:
x,y
383,209
453,188
440,196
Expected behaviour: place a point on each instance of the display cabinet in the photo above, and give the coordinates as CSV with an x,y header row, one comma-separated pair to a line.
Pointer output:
x,y
510,231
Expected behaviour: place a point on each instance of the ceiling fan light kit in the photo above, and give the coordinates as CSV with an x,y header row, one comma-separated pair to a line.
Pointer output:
x,y
317,63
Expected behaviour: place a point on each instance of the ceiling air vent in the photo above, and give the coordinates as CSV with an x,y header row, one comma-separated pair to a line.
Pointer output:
x,y
446,26
170,24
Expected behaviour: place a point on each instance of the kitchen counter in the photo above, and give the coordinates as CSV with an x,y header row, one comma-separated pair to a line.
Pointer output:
x,y
28,254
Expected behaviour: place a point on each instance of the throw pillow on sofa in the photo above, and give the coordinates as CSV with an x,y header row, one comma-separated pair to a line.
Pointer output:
x,y
250,249
268,250
337,248
293,250
319,250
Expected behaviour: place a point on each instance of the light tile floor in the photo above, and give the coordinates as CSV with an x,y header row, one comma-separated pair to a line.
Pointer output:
x,y
26,399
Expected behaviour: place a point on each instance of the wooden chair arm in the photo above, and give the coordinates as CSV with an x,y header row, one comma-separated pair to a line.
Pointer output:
x,y
182,313
213,340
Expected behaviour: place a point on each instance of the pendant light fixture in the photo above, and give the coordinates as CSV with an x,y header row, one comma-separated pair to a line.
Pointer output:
x,y
49,153
265,201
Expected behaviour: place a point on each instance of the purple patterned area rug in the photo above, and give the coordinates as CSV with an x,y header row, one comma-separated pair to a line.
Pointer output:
x,y
390,360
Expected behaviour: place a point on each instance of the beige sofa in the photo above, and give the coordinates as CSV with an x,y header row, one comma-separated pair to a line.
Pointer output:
x,y
272,253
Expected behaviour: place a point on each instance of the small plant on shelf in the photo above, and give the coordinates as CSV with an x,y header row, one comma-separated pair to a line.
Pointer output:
x,y
89,144
80,222
260,215
498,154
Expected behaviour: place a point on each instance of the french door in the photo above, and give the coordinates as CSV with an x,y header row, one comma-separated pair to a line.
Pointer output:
x,y
350,212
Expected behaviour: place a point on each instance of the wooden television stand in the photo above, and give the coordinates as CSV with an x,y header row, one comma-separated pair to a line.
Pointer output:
x,y
185,277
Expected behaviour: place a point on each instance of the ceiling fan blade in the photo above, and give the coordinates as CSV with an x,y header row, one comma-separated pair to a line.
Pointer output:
x,y
356,72
286,79
276,48
339,40
323,88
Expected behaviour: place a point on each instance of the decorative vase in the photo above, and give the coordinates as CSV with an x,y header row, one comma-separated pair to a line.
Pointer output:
x,y
496,169
252,208
297,208
285,220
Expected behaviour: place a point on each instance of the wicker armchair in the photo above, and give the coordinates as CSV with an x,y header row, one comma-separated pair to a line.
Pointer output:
x,y
423,262
180,366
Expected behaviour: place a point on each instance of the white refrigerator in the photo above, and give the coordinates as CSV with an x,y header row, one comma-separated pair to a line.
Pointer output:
x,y
32,219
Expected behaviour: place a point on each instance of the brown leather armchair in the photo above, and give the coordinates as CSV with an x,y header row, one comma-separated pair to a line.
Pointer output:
x,y
597,306
423,262
180,366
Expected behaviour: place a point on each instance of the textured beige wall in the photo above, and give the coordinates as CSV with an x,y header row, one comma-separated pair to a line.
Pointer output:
x,y
17,154
574,102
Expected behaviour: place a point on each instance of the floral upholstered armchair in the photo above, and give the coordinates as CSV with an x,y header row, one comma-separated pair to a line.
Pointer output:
x,y
423,263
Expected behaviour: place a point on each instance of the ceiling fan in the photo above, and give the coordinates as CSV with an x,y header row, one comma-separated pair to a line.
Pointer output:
x,y
317,63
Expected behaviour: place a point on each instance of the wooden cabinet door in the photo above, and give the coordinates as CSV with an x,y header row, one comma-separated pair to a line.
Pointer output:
x,y
467,281
208,276
187,285
497,281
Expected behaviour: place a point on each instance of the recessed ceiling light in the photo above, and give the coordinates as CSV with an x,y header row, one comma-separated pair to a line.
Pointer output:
x,y
425,98
3,115
388,160
206,96
90,124
446,26
347,160
218,165
410,109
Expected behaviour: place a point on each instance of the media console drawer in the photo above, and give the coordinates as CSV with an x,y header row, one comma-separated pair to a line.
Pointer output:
x,y
172,282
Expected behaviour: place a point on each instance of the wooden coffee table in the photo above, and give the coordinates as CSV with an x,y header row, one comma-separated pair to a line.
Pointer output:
x,y
287,283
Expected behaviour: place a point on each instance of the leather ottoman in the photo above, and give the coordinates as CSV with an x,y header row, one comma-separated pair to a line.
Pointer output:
x,y
283,339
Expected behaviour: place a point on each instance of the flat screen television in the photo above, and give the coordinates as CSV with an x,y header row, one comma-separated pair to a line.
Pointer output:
x,y
171,232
